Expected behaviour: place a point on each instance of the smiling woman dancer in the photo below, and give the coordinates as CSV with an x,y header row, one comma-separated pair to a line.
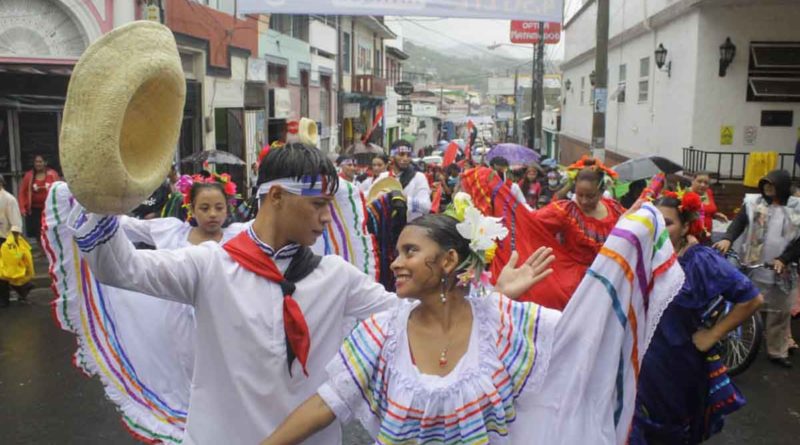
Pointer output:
x,y
455,364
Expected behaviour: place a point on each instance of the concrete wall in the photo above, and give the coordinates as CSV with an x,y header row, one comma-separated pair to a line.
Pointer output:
x,y
201,22
576,117
623,14
662,124
690,106
295,51
722,100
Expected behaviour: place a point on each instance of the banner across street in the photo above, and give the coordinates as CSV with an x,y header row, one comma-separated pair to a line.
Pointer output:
x,y
538,10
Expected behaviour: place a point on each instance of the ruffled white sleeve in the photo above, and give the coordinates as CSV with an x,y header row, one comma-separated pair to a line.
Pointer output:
x,y
525,334
357,373
171,274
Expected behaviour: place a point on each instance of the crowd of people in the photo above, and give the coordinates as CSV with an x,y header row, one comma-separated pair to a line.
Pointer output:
x,y
482,313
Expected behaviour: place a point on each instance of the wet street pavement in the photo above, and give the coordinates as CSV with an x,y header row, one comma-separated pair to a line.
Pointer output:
x,y
45,400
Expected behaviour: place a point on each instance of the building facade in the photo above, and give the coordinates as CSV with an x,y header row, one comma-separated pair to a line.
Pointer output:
x,y
223,82
364,84
688,102
41,42
301,53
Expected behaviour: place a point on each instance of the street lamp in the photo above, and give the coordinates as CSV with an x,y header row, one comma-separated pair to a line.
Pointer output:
x,y
727,51
592,78
567,84
661,57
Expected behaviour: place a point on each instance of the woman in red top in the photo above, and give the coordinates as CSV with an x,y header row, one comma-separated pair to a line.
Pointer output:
x,y
32,195
531,186
583,224
708,213
575,230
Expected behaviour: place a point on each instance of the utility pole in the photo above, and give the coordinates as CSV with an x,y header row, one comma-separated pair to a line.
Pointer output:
x,y
601,83
539,84
516,105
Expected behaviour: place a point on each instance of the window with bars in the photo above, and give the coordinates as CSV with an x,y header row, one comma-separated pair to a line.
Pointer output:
x,y
276,75
619,94
773,72
325,101
583,88
346,52
292,25
644,79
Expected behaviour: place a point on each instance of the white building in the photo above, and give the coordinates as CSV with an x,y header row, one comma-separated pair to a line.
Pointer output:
x,y
652,111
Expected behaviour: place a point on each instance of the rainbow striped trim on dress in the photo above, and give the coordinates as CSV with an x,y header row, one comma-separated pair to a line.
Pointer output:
x,y
81,307
640,267
478,408
347,235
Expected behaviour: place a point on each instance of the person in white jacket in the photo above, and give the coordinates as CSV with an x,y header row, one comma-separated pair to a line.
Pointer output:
x,y
415,185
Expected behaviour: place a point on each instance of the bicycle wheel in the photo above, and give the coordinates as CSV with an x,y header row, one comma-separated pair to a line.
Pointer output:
x,y
741,346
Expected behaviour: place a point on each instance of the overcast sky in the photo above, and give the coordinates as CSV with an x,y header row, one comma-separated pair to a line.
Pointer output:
x,y
477,33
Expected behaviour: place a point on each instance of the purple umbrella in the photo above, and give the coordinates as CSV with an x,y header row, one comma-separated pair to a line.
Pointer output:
x,y
515,154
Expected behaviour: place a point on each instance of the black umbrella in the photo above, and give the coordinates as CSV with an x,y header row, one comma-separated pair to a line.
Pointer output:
x,y
214,157
646,167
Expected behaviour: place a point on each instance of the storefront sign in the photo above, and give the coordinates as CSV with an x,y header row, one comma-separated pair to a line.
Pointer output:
x,y
424,110
539,10
528,32
404,107
404,88
352,111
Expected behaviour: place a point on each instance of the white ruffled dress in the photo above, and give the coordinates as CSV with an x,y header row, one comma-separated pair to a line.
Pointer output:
x,y
375,380
530,376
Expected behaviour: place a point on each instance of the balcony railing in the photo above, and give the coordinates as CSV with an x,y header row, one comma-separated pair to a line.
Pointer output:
x,y
369,85
730,166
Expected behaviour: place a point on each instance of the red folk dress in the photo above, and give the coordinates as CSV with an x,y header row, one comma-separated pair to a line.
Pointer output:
x,y
709,210
575,238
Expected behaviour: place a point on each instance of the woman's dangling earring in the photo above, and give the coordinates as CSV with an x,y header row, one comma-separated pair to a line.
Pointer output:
x,y
442,296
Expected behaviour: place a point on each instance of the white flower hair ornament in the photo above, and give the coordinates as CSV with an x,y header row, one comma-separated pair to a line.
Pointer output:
x,y
482,232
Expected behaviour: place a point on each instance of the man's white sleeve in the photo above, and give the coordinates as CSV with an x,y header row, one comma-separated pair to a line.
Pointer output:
x,y
170,274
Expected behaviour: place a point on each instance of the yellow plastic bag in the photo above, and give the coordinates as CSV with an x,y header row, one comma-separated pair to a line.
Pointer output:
x,y
16,262
758,165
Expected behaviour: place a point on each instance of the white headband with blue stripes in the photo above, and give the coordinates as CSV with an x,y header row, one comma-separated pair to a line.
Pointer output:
x,y
306,186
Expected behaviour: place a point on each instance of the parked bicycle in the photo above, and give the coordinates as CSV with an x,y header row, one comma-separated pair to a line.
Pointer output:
x,y
740,347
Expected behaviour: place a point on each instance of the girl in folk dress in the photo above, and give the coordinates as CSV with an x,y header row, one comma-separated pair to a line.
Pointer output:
x,y
142,348
461,365
684,391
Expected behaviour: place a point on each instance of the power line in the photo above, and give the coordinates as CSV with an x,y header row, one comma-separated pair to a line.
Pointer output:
x,y
479,48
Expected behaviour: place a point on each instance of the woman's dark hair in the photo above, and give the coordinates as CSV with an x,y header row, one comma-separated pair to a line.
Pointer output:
x,y
499,162
452,168
442,230
674,203
383,157
296,160
198,187
592,175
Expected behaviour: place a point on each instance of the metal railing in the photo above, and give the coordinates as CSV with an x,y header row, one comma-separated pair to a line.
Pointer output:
x,y
368,84
730,166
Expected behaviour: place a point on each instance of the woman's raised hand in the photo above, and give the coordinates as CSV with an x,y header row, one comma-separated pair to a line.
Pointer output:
x,y
515,280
